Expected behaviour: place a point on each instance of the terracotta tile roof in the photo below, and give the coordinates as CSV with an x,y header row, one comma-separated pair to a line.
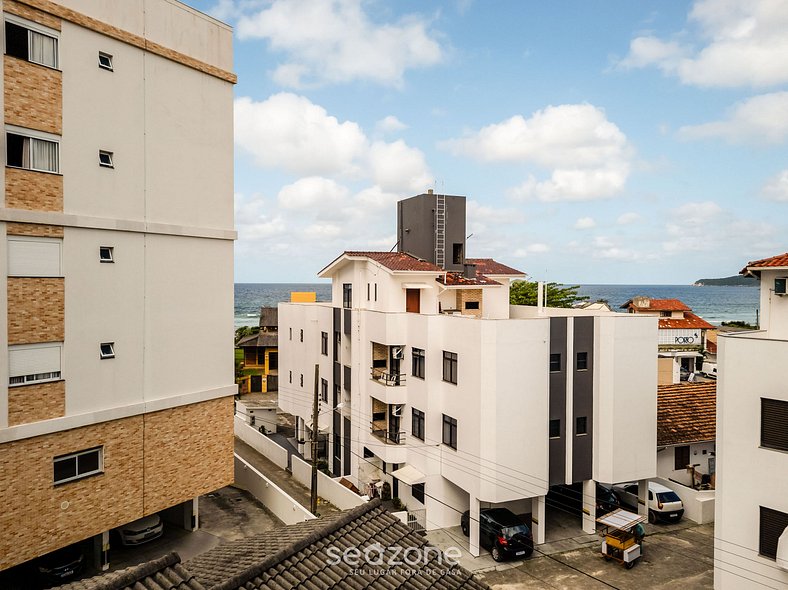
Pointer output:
x,y
164,573
711,346
659,305
689,322
454,279
686,413
396,260
781,260
488,266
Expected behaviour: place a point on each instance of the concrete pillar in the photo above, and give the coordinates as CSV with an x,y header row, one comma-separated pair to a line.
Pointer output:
x,y
589,506
191,514
473,525
643,497
101,551
539,525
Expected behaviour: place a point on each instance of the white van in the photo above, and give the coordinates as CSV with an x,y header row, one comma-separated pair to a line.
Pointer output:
x,y
663,503
709,369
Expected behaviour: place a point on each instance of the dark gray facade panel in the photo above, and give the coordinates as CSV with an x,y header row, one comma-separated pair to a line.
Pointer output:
x,y
557,462
346,378
337,318
416,227
583,400
337,374
348,321
346,441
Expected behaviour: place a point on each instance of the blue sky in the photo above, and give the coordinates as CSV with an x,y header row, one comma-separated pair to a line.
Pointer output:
x,y
597,142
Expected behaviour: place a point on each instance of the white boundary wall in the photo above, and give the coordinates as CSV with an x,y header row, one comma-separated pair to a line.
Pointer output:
x,y
260,442
327,488
272,496
698,504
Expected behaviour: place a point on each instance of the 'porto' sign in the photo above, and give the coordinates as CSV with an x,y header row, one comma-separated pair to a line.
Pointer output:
x,y
685,340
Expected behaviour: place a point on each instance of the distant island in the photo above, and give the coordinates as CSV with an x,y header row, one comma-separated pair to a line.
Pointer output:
x,y
734,281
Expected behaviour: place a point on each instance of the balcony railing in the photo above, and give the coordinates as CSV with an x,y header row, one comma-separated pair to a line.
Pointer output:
x,y
387,436
387,378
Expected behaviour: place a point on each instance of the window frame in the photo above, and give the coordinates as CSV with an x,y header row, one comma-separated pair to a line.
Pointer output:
x,y
32,27
451,424
324,343
109,66
557,423
110,250
51,375
418,361
450,362
347,295
34,135
58,241
764,543
418,424
324,390
62,458
109,157
584,360
777,410
110,350
555,358
584,421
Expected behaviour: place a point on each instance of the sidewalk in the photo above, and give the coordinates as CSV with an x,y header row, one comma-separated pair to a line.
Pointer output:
x,y
284,479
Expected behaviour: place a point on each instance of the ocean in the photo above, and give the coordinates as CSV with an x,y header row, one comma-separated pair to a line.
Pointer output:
x,y
714,304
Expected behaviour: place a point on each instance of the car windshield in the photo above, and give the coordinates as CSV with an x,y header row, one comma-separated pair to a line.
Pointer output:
x,y
668,497
605,495
511,531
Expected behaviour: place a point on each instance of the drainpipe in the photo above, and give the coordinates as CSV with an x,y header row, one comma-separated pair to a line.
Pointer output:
x,y
540,297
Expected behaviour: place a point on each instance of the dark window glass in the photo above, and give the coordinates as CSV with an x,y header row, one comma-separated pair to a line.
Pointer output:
x,y
88,462
555,428
417,358
367,453
450,431
16,41
291,333
291,377
260,356
347,295
555,362
471,305
368,288
302,335
417,491
302,379
772,525
681,457
581,425
273,361
65,468
450,367
582,361
324,390
457,254
15,149
324,343
774,424
418,424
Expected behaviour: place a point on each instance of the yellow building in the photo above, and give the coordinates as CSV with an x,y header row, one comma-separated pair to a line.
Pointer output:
x,y
261,356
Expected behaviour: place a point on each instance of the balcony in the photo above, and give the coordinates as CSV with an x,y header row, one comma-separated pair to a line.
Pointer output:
x,y
388,378
381,431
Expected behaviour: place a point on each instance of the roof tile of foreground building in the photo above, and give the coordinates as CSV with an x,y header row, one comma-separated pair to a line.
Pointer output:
x,y
658,305
488,266
686,413
689,322
781,260
396,260
164,573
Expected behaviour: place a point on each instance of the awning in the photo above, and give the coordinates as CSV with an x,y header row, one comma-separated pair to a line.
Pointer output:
x,y
409,475
679,354
782,550
416,286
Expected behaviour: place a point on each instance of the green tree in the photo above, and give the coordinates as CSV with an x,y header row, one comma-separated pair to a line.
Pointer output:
x,y
556,295
245,331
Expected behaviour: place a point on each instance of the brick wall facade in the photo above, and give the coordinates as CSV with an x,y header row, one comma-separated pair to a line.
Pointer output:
x,y
33,96
33,191
36,310
34,229
40,401
30,13
464,295
151,462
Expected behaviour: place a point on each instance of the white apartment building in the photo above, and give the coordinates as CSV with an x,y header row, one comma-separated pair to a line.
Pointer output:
x,y
429,380
116,281
751,530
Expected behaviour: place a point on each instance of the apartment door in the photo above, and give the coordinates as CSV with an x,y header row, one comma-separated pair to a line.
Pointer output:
x,y
413,300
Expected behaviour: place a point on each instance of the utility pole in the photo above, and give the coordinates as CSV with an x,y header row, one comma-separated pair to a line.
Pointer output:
x,y
313,498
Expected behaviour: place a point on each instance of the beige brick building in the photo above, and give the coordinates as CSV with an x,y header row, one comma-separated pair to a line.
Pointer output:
x,y
116,231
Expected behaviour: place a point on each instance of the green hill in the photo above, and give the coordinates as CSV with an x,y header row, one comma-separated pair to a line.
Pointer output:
x,y
734,281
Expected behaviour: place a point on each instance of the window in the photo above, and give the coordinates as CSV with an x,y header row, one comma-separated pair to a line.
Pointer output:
x,y
106,254
290,377
105,159
450,431
555,429
417,424
302,379
337,345
774,424
417,492
107,350
772,525
665,314
324,343
31,42
376,291
582,361
34,363
417,363
78,465
105,61
35,257
581,425
273,361
555,362
32,153
324,390
780,285
681,458
368,287
450,367
291,333
471,305
457,254
347,295
302,336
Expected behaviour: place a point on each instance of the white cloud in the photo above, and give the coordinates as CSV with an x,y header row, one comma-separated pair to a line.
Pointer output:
x,y
776,189
291,133
312,193
737,44
760,119
390,124
254,220
628,218
585,223
335,41
536,248
697,214
604,247
589,155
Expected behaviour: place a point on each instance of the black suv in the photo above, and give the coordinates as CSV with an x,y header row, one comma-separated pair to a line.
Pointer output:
x,y
62,564
501,532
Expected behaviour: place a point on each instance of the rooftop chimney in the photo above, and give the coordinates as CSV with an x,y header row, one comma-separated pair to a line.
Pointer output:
x,y
429,191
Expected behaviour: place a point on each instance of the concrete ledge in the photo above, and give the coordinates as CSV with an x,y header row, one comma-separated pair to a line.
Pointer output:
x,y
327,488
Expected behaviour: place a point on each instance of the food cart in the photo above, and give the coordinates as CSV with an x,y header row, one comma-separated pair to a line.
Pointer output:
x,y
621,543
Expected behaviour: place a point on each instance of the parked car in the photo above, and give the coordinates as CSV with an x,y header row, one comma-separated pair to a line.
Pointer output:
x,y
709,369
663,503
502,532
141,530
570,498
62,564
